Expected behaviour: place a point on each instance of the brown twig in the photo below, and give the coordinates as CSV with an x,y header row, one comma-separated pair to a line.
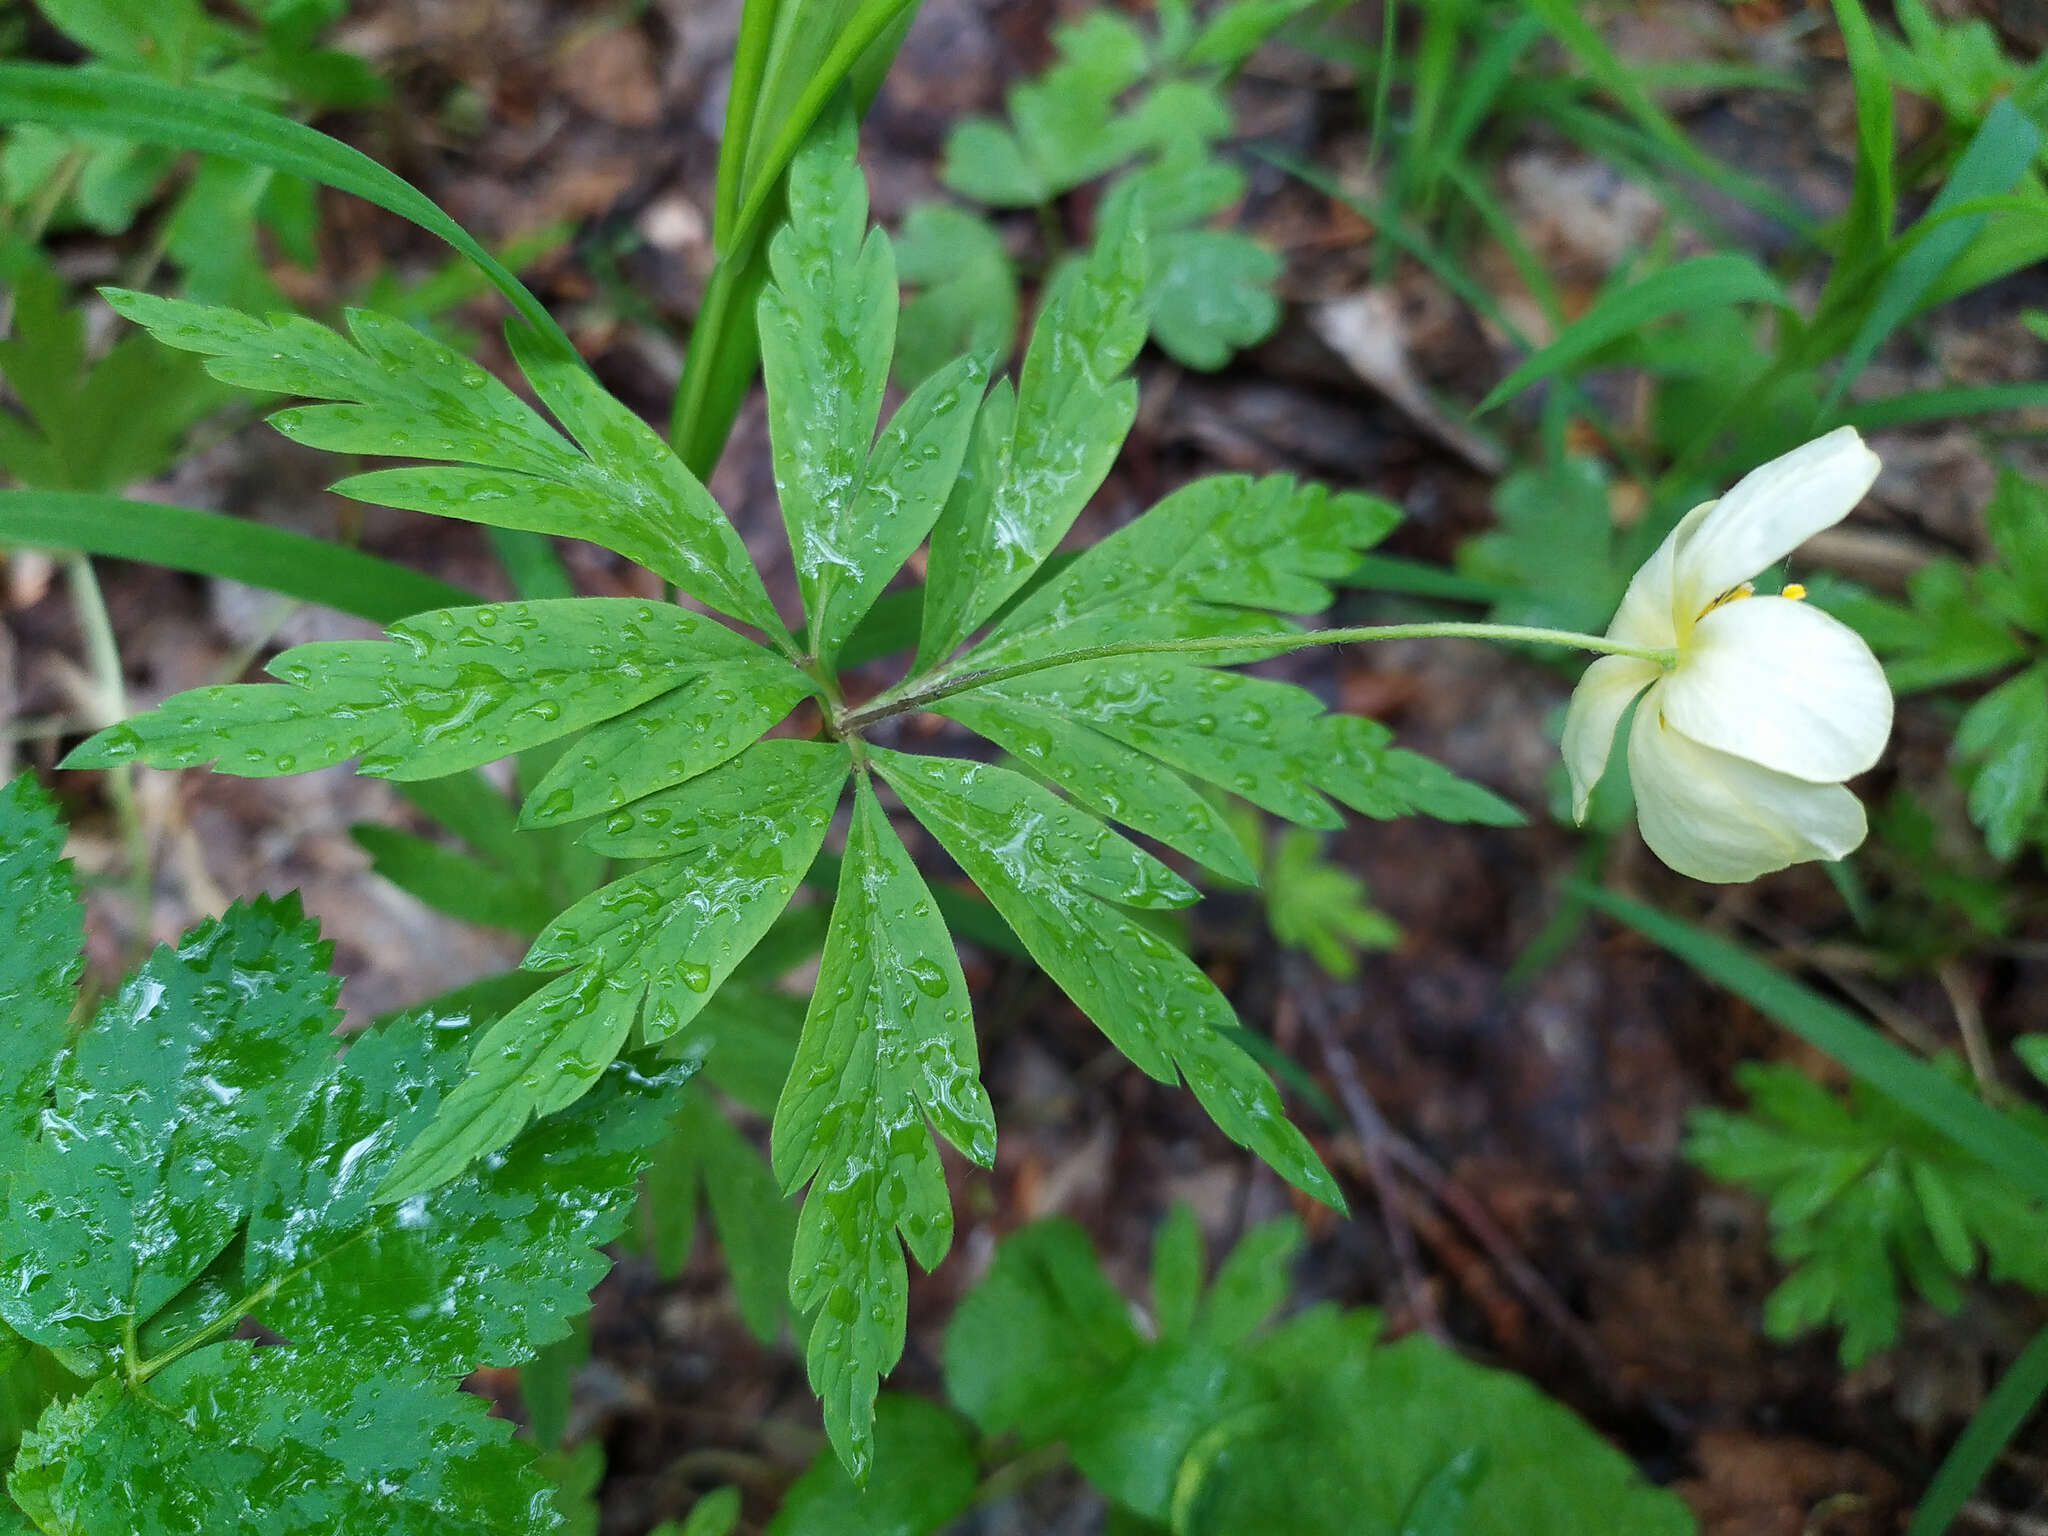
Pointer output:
x,y
1387,1150
1962,997
1373,1136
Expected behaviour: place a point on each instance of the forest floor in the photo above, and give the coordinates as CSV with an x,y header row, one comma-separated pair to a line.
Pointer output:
x,y
1534,1124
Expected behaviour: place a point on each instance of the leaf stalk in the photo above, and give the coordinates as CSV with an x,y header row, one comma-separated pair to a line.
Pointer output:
x,y
916,694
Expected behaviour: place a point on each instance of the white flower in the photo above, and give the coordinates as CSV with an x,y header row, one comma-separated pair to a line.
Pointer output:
x,y
1739,748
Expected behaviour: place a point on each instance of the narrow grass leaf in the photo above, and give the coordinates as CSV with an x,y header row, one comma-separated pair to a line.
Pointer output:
x,y
212,544
1957,1112
129,106
1689,287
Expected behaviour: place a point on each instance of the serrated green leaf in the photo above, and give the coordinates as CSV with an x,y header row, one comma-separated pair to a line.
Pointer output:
x,y
854,508
275,1441
887,1050
1039,1335
732,844
1355,1432
1319,906
542,1056
399,391
2006,734
1038,454
574,1476
2017,519
929,1478
965,301
42,953
1214,558
1063,881
144,1168
1864,1198
1109,777
711,716
453,689
484,1270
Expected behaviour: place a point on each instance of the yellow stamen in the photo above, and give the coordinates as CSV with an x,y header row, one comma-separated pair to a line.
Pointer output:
x,y
1733,595
1794,590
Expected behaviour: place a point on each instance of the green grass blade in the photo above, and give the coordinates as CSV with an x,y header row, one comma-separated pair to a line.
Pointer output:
x,y
1868,227
147,111
1568,24
210,544
1955,1112
1703,283
1419,578
1996,158
749,65
1994,1424
1941,404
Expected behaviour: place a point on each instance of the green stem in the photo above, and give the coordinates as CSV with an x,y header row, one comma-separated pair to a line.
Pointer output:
x,y
705,334
109,706
919,695
139,1371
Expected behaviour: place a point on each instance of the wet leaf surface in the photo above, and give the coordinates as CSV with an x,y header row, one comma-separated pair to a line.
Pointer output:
x,y
402,392
210,1153
1038,452
451,690
1063,879
887,1057
42,942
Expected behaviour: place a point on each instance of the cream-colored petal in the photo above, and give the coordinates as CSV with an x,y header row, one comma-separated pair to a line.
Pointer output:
x,y
1725,819
1645,617
1770,513
1782,684
1598,703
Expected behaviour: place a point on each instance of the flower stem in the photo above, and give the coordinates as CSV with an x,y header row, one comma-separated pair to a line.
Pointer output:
x,y
920,694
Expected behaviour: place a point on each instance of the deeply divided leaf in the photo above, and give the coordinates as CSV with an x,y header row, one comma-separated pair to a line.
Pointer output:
x,y
396,391
649,949
459,687
1069,885
1039,452
854,508
887,1058
235,1438
208,1156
